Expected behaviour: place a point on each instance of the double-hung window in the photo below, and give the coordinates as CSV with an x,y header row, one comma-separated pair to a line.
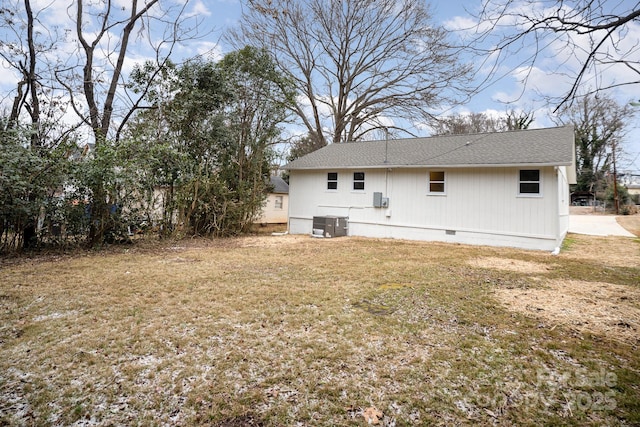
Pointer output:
x,y
358,181
332,181
436,182
529,182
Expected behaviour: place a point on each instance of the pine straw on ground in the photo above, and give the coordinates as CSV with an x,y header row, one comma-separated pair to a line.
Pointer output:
x,y
290,330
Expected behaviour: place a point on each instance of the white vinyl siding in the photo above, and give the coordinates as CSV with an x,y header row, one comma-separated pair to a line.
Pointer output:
x,y
479,201
275,210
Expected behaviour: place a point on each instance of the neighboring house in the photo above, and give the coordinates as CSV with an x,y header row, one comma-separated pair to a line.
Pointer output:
x,y
632,183
501,189
634,193
277,203
633,189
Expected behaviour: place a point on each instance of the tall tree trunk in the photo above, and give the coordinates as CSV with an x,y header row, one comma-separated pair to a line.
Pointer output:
x,y
29,234
100,123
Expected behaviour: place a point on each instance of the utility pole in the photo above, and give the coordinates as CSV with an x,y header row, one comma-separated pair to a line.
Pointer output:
x,y
615,177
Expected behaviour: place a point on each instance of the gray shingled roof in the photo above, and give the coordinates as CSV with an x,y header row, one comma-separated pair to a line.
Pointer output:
x,y
280,186
533,147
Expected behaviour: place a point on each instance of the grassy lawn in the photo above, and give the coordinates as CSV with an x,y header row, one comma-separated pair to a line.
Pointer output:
x,y
290,330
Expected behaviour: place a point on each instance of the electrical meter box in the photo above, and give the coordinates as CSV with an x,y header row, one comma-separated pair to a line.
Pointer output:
x,y
379,201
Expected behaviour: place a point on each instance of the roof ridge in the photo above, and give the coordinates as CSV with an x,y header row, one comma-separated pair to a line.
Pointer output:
x,y
453,135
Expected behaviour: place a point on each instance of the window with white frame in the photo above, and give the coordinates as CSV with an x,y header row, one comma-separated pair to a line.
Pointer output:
x,y
529,182
332,181
278,203
358,180
436,182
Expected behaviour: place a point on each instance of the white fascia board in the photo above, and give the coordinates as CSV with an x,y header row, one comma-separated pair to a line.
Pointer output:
x,y
461,166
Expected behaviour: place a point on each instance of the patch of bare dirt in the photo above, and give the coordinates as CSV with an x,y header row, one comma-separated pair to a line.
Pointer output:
x,y
631,223
599,308
599,250
508,264
268,241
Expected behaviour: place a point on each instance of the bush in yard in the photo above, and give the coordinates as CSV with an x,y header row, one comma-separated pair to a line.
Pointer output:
x,y
30,179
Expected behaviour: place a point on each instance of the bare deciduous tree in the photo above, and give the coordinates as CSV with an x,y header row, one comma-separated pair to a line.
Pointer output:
x,y
600,124
356,62
20,52
597,35
482,123
467,123
516,120
85,74
104,33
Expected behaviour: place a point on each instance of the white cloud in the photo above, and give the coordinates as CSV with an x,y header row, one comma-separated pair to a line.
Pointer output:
x,y
466,24
211,50
50,12
199,9
9,77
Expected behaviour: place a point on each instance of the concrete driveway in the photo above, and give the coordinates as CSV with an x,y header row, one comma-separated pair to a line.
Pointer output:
x,y
596,225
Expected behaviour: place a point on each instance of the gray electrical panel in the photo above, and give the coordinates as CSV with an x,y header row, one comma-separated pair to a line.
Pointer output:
x,y
379,201
330,226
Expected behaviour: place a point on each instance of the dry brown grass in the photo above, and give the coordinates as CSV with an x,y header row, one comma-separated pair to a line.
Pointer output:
x,y
515,265
598,252
631,223
600,308
290,330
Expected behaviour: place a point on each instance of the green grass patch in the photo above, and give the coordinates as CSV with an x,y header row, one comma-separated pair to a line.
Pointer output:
x,y
567,243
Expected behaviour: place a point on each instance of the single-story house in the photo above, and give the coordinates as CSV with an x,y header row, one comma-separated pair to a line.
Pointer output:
x,y
500,189
633,188
276,205
634,193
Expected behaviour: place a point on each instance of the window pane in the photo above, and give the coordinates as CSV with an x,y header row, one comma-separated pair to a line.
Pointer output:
x,y
530,175
358,180
436,187
436,176
436,181
529,187
332,181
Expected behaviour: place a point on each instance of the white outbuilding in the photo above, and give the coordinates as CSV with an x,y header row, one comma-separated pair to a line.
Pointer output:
x,y
501,189
276,205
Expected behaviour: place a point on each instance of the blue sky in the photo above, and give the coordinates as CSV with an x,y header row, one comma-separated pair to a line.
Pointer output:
x,y
509,92
545,78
